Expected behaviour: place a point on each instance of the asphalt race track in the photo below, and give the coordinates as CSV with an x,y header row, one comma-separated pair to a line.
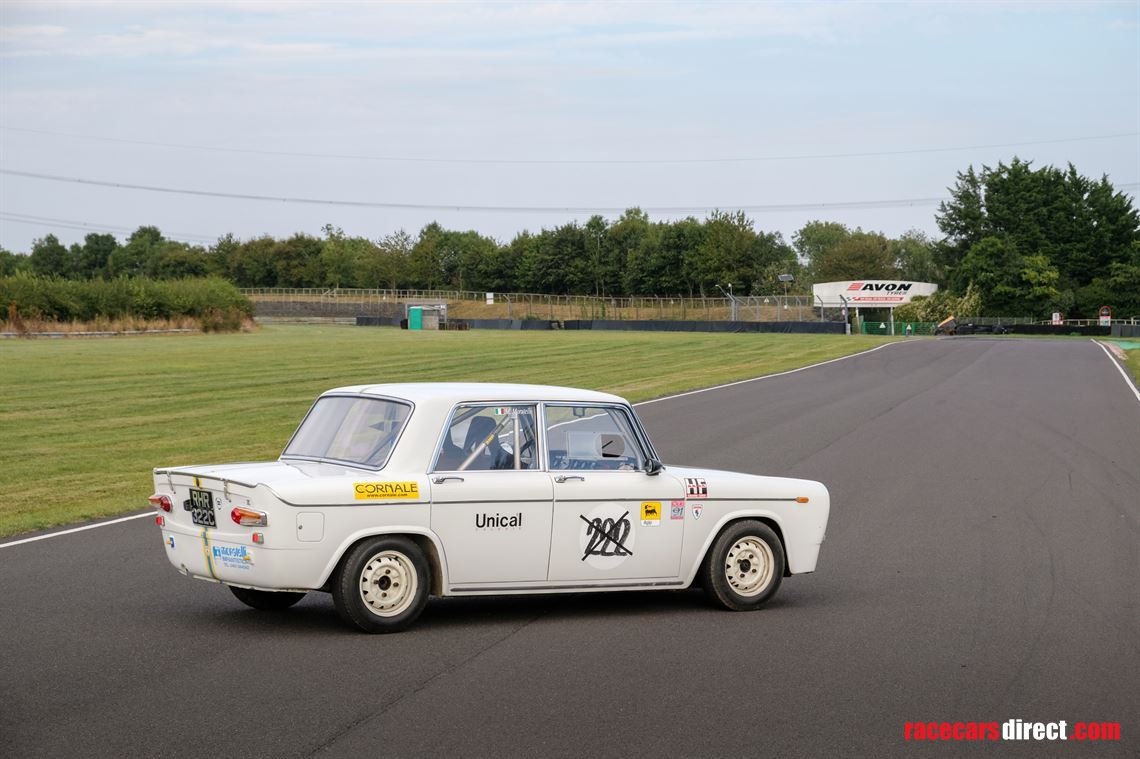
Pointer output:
x,y
982,564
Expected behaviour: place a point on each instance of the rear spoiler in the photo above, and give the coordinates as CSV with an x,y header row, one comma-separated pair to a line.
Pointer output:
x,y
189,472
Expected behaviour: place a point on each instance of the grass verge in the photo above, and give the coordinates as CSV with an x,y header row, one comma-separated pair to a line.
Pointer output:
x,y
83,422
1133,357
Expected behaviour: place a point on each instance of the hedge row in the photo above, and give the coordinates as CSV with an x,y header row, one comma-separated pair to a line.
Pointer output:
x,y
216,302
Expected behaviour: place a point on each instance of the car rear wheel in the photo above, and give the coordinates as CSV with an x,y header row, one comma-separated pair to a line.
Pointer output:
x,y
266,600
382,585
744,567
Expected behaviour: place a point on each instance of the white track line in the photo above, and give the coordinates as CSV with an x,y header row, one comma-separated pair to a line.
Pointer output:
x,y
1119,368
769,376
643,403
76,529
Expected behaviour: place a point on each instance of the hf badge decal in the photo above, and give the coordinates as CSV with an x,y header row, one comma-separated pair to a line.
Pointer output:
x,y
607,537
696,487
650,513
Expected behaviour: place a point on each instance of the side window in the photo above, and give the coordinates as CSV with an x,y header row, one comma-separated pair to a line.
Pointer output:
x,y
484,437
591,437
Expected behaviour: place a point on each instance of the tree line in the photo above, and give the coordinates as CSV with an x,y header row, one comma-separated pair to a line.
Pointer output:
x,y
1029,241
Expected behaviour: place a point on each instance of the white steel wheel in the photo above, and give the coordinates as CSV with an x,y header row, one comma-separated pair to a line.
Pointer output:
x,y
381,585
388,583
749,566
744,566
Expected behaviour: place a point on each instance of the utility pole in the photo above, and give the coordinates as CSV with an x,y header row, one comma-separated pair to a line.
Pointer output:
x,y
786,278
731,300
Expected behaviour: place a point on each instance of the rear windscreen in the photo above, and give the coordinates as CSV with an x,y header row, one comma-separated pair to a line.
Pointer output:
x,y
350,429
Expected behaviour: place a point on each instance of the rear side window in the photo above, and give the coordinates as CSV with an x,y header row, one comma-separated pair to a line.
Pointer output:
x,y
591,437
482,437
350,429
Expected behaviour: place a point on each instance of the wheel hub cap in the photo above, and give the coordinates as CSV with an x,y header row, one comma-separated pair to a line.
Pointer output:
x,y
388,583
749,566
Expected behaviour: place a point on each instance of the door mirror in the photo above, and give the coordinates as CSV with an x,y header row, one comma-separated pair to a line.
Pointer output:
x,y
653,466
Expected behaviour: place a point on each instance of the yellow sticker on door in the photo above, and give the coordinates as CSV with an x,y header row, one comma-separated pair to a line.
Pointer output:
x,y
386,491
650,513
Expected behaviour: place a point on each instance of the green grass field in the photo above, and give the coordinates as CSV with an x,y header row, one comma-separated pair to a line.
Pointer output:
x,y
84,421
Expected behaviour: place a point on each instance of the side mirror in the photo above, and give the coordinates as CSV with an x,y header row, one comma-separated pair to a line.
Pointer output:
x,y
653,467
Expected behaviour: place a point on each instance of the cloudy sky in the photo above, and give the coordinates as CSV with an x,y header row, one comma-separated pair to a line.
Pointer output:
x,y
508,116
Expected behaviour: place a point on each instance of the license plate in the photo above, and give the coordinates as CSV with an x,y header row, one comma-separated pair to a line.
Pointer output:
x,y
201,505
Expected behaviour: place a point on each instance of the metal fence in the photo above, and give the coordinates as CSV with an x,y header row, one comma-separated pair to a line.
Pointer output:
x,y
323,303
995,321
876,327
465,304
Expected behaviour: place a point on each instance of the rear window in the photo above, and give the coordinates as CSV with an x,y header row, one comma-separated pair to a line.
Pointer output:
x,y
350,429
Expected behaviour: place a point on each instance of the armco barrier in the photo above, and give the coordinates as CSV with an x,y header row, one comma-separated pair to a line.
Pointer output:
x,y
663,325
384,321
1126,330
508,323
1057,329
378,321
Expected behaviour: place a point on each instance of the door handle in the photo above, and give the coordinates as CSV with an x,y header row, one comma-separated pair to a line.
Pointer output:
x,y
441,480
567,477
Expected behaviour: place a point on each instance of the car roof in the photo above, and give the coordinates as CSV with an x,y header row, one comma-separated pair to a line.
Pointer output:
x,y
451,393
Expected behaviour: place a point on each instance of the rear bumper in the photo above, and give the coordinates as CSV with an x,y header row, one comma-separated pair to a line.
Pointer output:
x,y
208,555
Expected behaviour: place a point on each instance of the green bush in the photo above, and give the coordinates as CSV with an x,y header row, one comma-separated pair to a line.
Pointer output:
x,y
216,303
935,308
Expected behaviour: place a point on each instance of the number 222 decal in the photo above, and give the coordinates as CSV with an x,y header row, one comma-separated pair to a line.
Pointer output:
x,y
606,537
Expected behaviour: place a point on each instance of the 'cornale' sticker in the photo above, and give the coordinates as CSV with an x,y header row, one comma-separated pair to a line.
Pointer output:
x,y
386,491
650,513
676,509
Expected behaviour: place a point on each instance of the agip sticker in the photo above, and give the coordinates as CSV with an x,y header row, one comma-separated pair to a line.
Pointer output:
x,y
650,513
386,491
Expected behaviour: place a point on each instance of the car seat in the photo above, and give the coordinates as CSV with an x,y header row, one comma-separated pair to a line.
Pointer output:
x,y
491,457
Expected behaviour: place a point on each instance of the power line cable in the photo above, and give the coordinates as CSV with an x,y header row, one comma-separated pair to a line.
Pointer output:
x,y
583,161
461,207
29,219
766,208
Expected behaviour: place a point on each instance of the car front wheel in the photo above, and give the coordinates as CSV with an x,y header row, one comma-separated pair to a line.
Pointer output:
x,y
744,567
382,585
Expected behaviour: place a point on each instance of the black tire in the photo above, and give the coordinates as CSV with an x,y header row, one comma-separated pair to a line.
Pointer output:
x,y
382,565
755,557
266,600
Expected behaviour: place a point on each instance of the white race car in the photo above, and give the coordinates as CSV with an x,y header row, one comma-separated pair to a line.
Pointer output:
x,y
387,494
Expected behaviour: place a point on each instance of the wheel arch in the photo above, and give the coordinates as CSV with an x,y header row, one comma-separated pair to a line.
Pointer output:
x,y
765,519
424,540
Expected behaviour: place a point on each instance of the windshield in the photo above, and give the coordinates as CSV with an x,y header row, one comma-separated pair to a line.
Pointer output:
x,y
350,429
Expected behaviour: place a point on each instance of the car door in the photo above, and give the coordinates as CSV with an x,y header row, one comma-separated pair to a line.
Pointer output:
x,y
491,501
612,520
